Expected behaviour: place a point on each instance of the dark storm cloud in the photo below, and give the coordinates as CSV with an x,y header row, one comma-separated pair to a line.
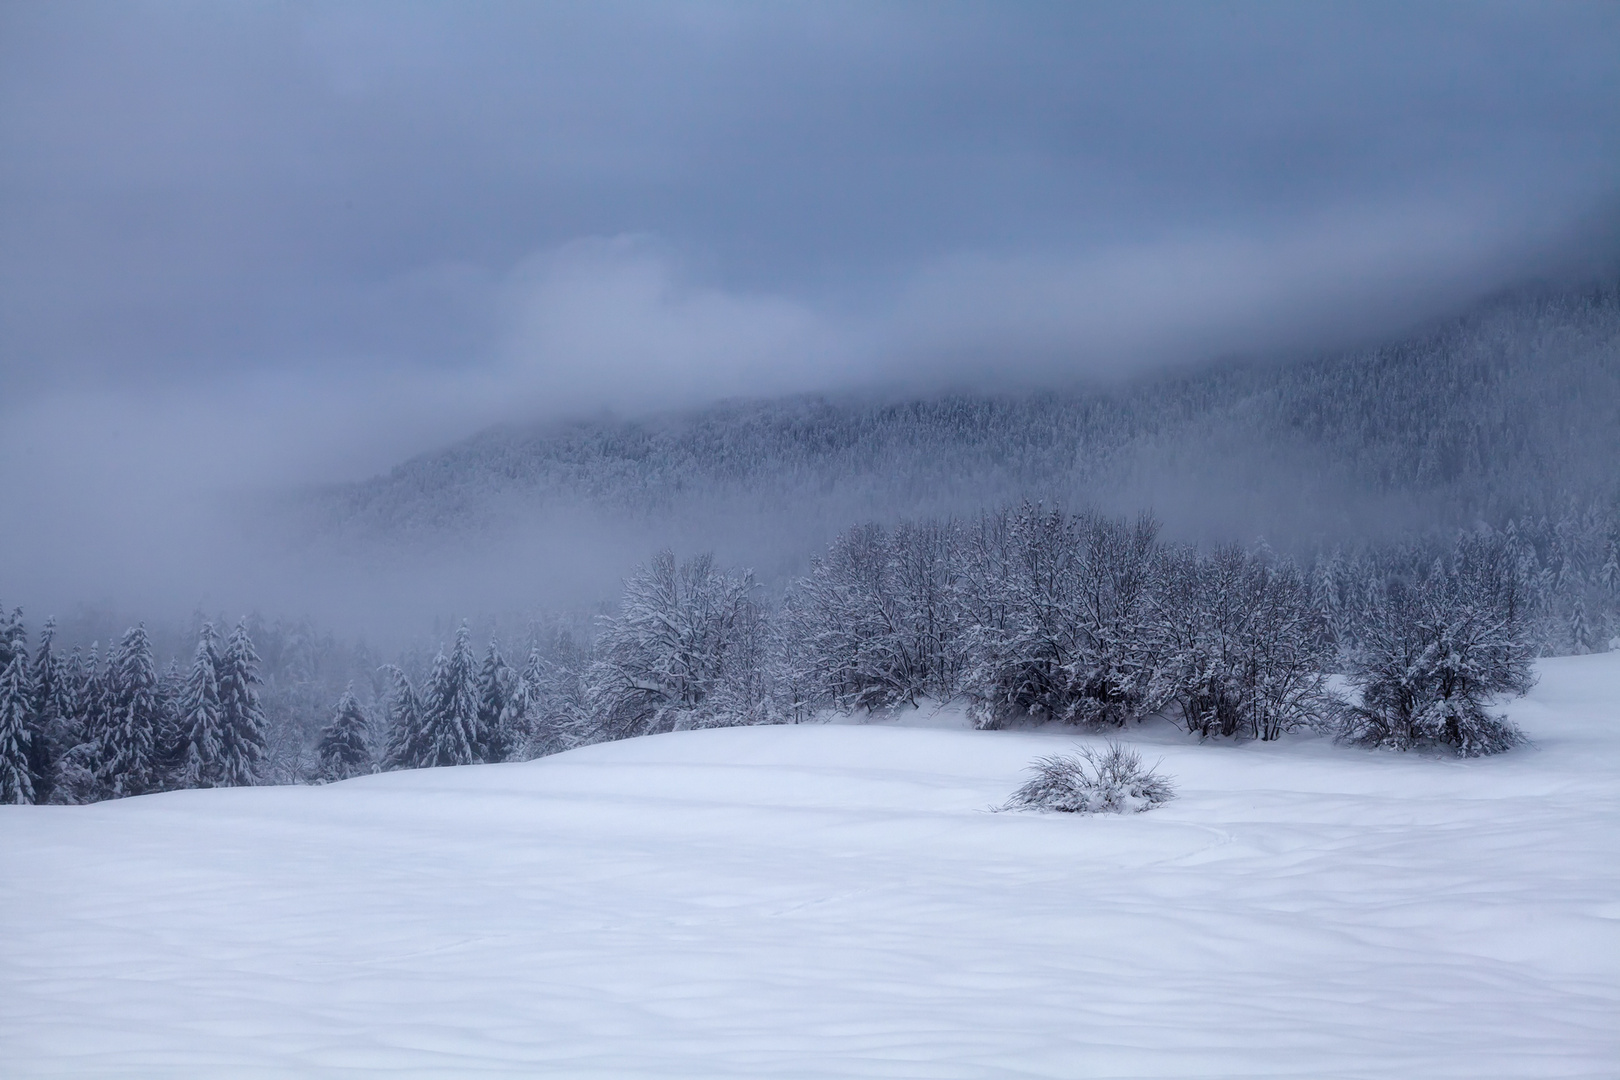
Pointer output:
x,y
332,234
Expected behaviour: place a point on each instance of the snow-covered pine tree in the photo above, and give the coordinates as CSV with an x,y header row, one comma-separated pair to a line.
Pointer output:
x,y
242,740
74,781
88,691
16,723
171,688
200,717
450,708
405,737
1327,593
53,709
126,742
344,749
500,707
1580,631
530,694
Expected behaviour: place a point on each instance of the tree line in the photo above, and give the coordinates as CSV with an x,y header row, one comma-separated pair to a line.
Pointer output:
x,y
1025,614
75,730
1032,614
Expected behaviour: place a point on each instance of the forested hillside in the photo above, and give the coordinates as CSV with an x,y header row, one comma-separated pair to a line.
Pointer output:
x,y
1510,411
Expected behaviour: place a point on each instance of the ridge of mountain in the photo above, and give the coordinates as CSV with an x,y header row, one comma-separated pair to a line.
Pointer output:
x,y
1510,409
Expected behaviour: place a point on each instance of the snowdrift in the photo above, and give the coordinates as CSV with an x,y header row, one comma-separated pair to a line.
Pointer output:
x,y
839,901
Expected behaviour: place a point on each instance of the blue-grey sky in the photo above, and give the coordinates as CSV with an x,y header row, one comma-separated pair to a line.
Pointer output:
x,y
188,188
327,235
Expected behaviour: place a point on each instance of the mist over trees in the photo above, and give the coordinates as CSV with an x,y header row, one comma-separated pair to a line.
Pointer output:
x,y
1509,412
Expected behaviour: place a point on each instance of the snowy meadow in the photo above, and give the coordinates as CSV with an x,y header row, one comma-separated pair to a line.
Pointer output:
x,y
840,900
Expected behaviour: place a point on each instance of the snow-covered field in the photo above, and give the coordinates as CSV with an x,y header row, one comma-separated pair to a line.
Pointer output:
x,y
836,901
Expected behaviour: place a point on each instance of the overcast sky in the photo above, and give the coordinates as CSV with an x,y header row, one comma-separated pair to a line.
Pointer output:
x,y
330,235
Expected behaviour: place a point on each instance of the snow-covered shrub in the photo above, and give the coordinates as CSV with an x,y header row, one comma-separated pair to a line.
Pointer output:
x,y
1435,649
1108,781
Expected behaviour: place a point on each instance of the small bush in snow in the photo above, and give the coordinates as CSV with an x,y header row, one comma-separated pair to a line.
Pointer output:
x,y
1110,781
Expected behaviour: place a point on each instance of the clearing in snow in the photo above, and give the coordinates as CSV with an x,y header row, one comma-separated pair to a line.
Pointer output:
x,y
836,900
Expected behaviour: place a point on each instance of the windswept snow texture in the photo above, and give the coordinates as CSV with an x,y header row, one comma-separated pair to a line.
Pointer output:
x,y
837,901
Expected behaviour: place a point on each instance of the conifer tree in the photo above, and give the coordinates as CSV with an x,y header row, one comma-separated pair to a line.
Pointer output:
x,y
531,690
74,780
171,689
1580,631
16,720
200,717
345,749
554,711
242,736
450,708
499,707
405,750
51,734
88,693
129,721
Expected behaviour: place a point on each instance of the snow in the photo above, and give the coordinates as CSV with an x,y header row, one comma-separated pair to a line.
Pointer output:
x,y
837,900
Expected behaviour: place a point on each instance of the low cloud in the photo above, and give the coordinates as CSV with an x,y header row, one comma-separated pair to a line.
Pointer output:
x,y
615,323
134,492
1329,280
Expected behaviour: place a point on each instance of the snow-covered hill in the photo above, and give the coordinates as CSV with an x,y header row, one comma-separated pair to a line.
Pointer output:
x,y
837,901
